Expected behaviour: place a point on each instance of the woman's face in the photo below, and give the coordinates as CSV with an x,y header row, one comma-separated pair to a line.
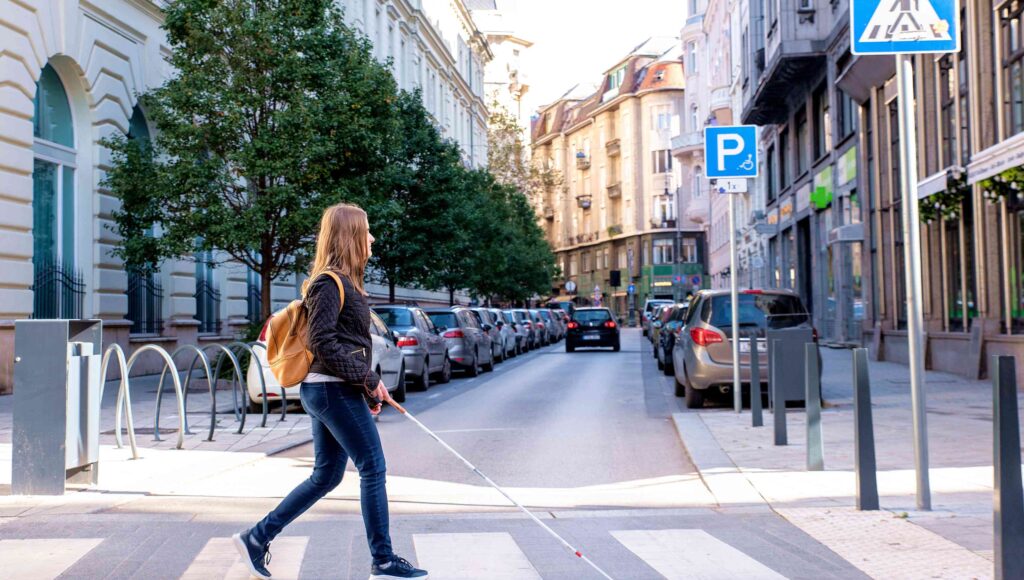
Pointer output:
x,y
369,241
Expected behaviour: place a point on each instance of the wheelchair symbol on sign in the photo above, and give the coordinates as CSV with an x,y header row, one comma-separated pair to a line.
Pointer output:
x,y
748,164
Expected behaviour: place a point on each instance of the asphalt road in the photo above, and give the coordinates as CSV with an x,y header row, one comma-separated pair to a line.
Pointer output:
x,y
544,419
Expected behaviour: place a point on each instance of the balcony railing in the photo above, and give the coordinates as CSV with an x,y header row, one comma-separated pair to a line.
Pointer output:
x,y
613,147
720,98
145,303
662,223
207,307
688,141
615,189
582,163
615,230
58,291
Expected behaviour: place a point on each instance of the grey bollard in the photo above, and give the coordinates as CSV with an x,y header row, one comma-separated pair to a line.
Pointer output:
x,y
812,398
1008,503
778,398
864,434
756,414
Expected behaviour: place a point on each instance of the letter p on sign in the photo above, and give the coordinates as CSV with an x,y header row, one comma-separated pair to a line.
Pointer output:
x,y
730,152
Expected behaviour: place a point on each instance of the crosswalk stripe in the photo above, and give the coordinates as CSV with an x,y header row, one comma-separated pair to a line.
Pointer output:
x,y
472,556
219,559
692,554
42,559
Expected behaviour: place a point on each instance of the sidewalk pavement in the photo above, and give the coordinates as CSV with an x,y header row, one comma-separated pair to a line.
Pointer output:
x,y
741,466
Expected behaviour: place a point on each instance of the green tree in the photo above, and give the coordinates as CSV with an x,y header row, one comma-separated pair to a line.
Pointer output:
x,y
275,111
508,157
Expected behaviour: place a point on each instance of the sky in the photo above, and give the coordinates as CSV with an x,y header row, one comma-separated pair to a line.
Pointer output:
x,y
575,41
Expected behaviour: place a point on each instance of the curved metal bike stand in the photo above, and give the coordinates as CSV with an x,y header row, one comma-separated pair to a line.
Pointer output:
x,y
168,363
123,396
211,383
263,383
284,397
236,381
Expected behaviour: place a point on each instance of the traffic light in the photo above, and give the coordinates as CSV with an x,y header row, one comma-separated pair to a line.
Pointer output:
x,y
615,278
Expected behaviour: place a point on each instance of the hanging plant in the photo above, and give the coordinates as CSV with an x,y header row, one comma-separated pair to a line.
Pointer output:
x,y
1008,185
946,204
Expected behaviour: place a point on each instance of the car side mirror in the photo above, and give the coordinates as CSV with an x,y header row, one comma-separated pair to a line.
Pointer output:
x,y
500,324
487,327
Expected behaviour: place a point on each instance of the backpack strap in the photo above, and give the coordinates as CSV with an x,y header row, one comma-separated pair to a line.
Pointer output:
x,y
341,289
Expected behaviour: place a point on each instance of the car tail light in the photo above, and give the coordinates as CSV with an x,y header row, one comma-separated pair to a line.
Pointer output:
x,y
263,331
528,325
407,341
814,334
705,337
753,292
540,325
457,333
610,324
574,324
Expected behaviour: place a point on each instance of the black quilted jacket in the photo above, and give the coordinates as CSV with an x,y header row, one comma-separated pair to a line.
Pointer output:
x,y
340,341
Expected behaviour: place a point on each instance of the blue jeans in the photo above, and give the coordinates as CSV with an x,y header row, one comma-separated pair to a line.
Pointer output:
x,y
342,427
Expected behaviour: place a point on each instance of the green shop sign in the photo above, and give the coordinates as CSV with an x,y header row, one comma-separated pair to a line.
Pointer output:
x,y
821,195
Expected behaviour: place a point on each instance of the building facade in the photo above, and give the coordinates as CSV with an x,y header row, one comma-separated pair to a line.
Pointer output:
x,y
70,73
618,213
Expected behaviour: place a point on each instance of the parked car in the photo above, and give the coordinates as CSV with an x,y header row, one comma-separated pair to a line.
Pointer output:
x,y
426,353
702,356
489,324
508,336
667,335
386,360
560,319
645,319
468,347
566,307
658,317
543,332
592,327
532,331
516,320
553,326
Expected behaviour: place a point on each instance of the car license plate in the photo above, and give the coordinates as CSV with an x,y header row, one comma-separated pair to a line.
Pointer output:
x,y
591,337
762,346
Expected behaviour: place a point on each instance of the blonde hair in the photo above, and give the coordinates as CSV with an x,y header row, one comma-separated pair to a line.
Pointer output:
x,y
342,245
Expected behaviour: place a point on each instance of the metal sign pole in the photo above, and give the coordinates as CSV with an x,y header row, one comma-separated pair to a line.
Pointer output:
x,y
912,258
737,399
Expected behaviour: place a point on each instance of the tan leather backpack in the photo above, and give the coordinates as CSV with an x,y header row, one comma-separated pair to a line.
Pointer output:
x,y
287,340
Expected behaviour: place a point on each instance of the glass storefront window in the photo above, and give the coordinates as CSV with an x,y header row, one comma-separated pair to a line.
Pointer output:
x,y
1013,64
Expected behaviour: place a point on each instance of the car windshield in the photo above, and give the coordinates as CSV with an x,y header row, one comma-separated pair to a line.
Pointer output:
x,y
395,317
592,315
655,303
762,310
508,316
544,314
445,319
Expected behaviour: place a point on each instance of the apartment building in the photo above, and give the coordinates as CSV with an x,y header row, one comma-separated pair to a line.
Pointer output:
x,y
70,74
617,218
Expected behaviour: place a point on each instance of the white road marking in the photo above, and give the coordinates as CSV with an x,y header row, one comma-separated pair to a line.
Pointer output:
x,y
434,396
42,559
473,556
219,559
692,554
475,430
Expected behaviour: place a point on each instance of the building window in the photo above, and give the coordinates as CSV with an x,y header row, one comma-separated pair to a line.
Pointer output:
x,y
698,180
661,161
572,265
947,110
254,297
694,118
802,145
145,293
661,118
616,78
785,158
207,294
847,121
964,101
691,57
1013,64
692,5
770,161
688,251
663,252
959,250
58,290
771,10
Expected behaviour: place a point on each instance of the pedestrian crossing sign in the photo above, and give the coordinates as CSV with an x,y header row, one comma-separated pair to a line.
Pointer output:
x,y
904,26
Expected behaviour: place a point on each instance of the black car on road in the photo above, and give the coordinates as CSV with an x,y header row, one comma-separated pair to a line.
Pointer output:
x,y
592,327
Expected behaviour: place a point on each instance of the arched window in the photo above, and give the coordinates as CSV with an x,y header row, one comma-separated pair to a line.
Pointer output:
x,y
698,176
57,288
145,293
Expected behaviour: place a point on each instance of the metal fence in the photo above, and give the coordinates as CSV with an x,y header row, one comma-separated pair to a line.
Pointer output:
x,y
58,291
145,303
207,307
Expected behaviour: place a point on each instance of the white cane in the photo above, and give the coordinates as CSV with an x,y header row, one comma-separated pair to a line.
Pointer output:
x,y
554,534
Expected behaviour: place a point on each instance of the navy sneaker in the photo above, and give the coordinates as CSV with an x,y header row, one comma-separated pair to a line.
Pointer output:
x,y
396,568
255,556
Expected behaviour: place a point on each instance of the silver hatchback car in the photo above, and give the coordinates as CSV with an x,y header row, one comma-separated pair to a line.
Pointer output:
x,y
468,348
425,351
702,355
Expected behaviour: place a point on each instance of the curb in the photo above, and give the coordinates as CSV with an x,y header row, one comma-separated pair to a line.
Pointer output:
x,y
723,479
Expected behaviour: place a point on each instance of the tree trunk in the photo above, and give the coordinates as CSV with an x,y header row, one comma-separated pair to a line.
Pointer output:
x,y
266,284
451,296
391,290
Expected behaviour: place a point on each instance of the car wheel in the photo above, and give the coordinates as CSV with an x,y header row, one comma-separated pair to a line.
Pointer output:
x,y
423,382
569,347
490,364
446,371
680,388
617,346
399,394
694,398
668,367
474,370
661,365
256,407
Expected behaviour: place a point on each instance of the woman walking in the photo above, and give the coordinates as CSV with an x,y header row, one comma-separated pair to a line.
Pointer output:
x,y
341,394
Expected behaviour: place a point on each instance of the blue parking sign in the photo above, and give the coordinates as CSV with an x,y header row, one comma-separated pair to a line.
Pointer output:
x,y
730,151
904,26
631,289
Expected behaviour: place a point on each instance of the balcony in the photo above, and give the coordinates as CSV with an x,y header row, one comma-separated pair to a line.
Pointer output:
x,y
614,230
613,147
720,99
663,224
687,142
697,210
614,190
582,162
549,212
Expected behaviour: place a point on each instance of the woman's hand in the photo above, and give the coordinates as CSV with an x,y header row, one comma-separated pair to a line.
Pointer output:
x,y
382,394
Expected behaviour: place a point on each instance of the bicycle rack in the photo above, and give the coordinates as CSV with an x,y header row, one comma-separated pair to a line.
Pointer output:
x,y
249,348
123,397
236,381
284,396
211,383
168,363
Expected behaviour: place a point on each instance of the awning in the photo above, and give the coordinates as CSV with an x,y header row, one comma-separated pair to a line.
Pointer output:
x,y
932,184
996,159
560,299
